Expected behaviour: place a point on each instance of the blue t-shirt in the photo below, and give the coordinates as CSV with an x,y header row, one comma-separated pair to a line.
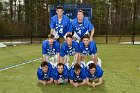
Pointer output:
x,y
91,49
64,74
77,78
61,27
98,73
45,76
82,28
46,49
66,50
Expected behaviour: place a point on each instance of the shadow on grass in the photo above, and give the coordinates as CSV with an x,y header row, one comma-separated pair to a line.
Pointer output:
x,y
68,88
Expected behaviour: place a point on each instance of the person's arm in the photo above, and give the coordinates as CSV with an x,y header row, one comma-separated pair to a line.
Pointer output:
x,y
95,58
100,82
56,81
82,83
58,56
44,57
89,83
74,84
91,35
50,81
52,30
77,58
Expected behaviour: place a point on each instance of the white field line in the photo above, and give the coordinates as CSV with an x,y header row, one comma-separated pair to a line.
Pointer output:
x,y
23,63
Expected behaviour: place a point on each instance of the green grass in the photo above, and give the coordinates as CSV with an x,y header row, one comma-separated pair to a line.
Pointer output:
x,y
120,64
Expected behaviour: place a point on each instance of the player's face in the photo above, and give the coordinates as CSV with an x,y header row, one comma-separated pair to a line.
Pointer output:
x,y
92,71
59,12
77,72
60,69
45,68
86,41
80,15
51,41
69,41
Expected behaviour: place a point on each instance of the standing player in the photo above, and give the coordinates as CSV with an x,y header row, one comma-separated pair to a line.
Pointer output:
x,y
95,75
44,73
82,26
69,48
51,50
87,48
60,74
60,23
77,76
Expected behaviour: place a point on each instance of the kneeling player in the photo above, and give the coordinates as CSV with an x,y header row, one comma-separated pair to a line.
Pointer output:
x,y
51,50
44,73
87,48
94,74
77,76
60,74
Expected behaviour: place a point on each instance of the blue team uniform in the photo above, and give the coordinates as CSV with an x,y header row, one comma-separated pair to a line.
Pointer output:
x,y
77,78
61,27
98,73
45,76
71,51
83,28
91,49
64,74
46,49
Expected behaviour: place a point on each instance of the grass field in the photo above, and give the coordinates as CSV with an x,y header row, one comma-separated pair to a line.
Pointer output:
x,y
121,64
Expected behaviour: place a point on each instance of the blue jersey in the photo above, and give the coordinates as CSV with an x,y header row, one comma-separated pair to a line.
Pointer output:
x,y
45,76
64,74
98,73
66,50
83,28
77,78
61,27
46,49
91,49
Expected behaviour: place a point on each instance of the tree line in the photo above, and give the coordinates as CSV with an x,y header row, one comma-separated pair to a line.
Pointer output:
x,y
32,17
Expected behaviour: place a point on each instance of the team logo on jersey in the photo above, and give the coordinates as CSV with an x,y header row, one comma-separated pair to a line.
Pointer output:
x,y
86,52
51,51
71,51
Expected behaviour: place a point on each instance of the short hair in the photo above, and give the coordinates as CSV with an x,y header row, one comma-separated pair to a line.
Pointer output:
x,y
50,36
44,63
69,35
60,64
59,7
81,11
77,67
92,65
86,36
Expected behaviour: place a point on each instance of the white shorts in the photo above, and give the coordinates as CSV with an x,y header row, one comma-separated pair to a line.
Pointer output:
x,y
99,62
53,60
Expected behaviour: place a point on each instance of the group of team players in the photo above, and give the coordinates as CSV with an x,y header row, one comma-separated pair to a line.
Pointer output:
x,y
78,44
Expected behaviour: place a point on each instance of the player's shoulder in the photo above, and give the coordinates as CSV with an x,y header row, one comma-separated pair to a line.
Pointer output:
x,y
56,42
66,17
74,42
92,43
81,43
45,41
74,21
86,19
64,44
39,70
54,17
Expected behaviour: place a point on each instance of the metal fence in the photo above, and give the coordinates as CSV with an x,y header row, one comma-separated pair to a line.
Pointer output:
x,y
99,39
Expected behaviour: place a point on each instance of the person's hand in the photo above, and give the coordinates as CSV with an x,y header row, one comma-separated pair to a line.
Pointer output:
x,y
60,80
91,38
93,84
76,84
